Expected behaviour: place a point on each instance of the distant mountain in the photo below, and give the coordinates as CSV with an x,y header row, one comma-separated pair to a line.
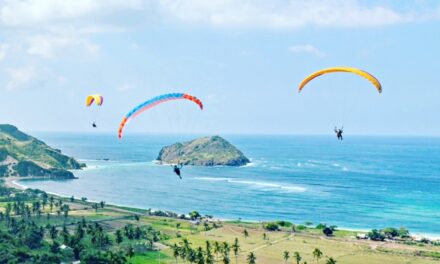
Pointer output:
x,y
206,151
23,155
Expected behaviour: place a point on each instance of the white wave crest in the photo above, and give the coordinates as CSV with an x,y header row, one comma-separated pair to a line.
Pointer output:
x,y
265,186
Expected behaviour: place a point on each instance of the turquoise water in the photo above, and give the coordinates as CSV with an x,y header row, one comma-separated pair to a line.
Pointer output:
x,y
361,183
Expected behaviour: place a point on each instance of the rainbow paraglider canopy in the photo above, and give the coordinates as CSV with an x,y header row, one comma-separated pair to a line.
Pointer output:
x,y
153,102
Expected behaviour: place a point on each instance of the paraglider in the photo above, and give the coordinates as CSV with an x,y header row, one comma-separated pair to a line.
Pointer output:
x,y
359,72
339,132
98,100
177,169
153,102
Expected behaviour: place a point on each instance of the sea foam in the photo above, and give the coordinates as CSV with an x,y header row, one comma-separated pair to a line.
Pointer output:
x,y
261,185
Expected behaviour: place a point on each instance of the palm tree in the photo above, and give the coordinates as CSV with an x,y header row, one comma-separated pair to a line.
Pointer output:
x,y
217,249
236,249
209,256
317,254
331,261
51,201
176,252
286,256
119,237
245,233
251,258
226,249
297,257
53,232
95,206
130,252
206,226
199,256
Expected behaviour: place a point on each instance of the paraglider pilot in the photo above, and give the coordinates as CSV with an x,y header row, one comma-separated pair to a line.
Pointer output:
x,y
339,132
94,125
177,168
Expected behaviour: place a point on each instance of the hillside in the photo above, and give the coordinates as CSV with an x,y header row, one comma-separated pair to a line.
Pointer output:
x,y
24,155
206,151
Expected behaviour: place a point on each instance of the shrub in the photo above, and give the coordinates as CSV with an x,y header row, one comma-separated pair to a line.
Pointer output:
x,y
376,235
272,226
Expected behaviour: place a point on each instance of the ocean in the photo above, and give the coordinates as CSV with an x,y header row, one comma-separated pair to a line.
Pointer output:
x,y
360,183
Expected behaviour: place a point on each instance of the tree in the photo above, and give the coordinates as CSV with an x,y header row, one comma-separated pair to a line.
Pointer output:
x,y
206,226
55,247
119,237
176,252
130,252
251,258
209,257
199,256
51,202
53,232
403,232
217,249
95,206
297,257
245,233
327,231
72,199
376,235
117,258
272,226
286,256
236,249
390,232
194,215
317,254
102,204
331,261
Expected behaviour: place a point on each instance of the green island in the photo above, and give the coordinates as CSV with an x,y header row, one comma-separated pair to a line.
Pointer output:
x,y
205,151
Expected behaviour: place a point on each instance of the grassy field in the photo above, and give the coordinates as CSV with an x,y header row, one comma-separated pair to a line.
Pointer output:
x,y
268,247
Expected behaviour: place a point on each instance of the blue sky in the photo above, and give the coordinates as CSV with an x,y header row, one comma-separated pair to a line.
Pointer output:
x,y
243,59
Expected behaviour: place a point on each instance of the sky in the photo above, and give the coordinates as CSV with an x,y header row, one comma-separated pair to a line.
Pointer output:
x,y
243,58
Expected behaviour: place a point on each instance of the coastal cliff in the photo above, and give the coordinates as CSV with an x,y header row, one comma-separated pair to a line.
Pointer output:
x,y
23,155
206,151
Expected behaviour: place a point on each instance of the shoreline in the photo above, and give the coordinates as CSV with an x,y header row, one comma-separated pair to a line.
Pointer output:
x,y
12,182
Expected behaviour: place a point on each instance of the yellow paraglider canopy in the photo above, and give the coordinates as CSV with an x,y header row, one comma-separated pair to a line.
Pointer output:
x,y
97,98
359,72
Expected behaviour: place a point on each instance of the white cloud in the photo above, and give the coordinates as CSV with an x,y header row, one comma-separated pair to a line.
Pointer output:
x,y
19,77
125,87
3,49
134,46
307,48
32,12
281,13
49,45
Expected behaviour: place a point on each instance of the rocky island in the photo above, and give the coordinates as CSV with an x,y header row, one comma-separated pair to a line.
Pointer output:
x,y
206,151
23,155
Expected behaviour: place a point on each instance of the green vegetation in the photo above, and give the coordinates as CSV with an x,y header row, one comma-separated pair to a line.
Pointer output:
x,y
39,228
23,155
206,151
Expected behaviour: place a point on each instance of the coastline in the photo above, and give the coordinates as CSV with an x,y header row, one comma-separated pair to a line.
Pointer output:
x,y
12,182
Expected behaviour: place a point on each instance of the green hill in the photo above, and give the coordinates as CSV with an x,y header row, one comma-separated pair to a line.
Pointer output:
x,y
206,151
24,155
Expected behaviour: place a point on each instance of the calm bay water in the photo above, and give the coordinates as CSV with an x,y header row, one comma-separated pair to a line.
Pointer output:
x,y
361,183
